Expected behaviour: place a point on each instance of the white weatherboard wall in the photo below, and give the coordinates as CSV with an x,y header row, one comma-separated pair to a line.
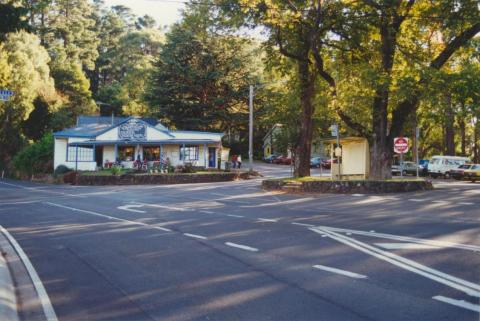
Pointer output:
x,y
108,153
60,156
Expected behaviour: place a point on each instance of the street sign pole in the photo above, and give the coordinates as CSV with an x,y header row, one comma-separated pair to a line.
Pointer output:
x,y
401,164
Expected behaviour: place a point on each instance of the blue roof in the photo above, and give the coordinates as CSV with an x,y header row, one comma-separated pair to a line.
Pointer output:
x,y
92,126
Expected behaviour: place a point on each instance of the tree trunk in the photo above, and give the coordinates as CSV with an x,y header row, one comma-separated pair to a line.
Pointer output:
x,y
304,146
449,128
463,135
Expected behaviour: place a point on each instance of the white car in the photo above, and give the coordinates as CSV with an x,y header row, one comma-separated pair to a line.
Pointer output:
x,y
442,165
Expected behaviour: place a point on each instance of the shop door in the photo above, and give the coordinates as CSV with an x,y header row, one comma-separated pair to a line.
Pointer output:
x,y
211,156
99,155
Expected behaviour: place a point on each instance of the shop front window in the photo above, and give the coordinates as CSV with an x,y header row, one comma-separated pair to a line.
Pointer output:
x,y
151,153
126,153
189,153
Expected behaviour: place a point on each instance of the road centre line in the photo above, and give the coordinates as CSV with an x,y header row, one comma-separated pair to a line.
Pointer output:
x,y
412,266
342,272
234,215
195,236
243,247
458,303
109,217
406,239
407,246
37,283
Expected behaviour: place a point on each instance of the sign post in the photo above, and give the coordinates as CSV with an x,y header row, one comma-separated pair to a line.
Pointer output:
x,y
417,136
5,95
400,146
337,152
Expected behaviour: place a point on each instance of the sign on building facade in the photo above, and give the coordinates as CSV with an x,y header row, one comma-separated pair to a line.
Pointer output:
x,y
133,129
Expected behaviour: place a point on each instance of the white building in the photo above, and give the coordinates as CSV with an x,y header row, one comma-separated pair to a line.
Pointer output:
x,y
97,141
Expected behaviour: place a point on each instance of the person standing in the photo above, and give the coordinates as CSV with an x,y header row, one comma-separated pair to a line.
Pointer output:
x,y
239,161
234,161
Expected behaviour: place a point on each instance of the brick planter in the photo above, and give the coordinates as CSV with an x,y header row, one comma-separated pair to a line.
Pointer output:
x,y
158,179
353,186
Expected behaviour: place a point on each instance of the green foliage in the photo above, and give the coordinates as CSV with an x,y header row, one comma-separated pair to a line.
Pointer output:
x,y
12,19
36,158
62,169
116,170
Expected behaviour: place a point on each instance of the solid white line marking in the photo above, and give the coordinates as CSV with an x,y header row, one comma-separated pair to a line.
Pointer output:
x,y
233,215
267,220
458,303
466,203
406,239
406,246
166,207
302,224
128,208
109,217
342,272
207,212
37,283
195,236
243,247
412,266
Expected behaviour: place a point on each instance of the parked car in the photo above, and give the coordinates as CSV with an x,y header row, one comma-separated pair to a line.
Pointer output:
x,y
327,163
472,174
283,160
407,168
270,158
457,173
442,165
317,161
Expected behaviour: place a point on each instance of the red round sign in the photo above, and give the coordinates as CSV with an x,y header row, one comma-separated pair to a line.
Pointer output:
x,y
400,145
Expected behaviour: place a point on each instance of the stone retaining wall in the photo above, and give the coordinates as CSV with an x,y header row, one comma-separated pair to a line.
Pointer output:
x,y
353,186
143,179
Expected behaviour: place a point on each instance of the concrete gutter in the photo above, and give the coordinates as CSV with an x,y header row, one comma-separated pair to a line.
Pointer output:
x,y
8,299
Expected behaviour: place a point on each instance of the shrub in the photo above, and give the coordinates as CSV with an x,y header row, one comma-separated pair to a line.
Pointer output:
x,y
62,169
36,158
116,170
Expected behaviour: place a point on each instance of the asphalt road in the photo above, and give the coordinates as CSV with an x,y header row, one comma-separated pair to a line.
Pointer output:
x,y
229,251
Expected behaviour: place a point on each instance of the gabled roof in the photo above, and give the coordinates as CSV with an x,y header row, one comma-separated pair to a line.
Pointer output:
x,y
93,126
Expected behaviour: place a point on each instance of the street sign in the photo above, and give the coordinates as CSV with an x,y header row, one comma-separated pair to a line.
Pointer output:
x,y
400,145
334,129
5,94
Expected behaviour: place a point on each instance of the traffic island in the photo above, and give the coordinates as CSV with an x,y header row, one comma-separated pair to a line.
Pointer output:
x,y
326,185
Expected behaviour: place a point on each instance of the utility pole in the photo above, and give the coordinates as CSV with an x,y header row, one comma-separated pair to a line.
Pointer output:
x,y
417,136
250,130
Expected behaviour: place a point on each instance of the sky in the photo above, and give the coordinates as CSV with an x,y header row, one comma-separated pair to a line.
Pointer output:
x,y
165,12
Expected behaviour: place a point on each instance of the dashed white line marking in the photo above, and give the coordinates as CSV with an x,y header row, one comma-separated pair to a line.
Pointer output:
x,y
267,220
207,212
458,303
195,236
233,215
37,283
466,203
303,224
342,272
243,247
417,199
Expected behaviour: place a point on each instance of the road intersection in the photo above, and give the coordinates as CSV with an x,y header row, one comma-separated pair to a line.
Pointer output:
x,y
230,251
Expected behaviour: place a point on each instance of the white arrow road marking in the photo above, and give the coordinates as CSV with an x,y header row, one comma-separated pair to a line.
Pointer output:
x,y
109,217
406,239
302,224
458,303
174,208
342,272
37,283
407,246
412,266
129,206
243,247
